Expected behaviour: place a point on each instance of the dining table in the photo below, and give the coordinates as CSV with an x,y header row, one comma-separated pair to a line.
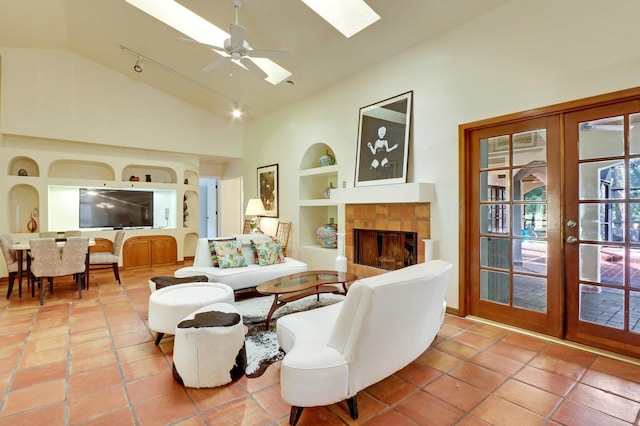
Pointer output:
x,y
21,247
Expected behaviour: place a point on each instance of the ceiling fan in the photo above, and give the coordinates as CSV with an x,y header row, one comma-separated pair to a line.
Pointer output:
x,y
236,48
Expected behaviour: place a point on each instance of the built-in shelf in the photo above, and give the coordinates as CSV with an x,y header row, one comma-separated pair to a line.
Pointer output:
x,y
415,192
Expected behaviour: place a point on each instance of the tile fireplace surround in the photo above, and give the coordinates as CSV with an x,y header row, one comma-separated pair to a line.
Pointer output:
x,y
406,217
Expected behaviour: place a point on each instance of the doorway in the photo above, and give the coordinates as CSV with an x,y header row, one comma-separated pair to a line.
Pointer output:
x,y
551,234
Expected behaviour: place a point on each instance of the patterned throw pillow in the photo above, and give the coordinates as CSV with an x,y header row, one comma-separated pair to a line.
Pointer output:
x,y
212,248
268,252
229,254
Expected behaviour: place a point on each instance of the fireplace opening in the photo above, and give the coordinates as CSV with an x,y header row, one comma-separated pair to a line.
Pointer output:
x,y
385,249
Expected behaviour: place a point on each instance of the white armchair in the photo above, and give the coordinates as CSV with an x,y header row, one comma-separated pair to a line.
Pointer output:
x,y
384,323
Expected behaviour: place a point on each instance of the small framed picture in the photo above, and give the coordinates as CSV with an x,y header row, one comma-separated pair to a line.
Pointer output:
x,y
383,141
268,189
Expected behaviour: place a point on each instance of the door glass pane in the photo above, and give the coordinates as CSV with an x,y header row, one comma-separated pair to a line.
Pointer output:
x,y
634,178
601,305
601,138
494,218
494,152
494,286
602,222
634,134
602,180
634,268
530,292
530,147
494,185
634,223
529,183
494,252
634,311
602,264
529,220
530,256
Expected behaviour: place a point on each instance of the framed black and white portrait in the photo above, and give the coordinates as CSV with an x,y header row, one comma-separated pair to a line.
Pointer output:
x,y
383,141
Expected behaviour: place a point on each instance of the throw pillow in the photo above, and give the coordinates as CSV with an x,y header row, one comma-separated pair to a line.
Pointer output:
x,y
212,248
229,254
269,252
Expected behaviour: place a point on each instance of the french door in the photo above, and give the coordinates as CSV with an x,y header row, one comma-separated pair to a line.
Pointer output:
x,y
602,251
514,232
552,232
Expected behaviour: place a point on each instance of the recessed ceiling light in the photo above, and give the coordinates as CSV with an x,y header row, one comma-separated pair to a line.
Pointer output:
x,y
347,16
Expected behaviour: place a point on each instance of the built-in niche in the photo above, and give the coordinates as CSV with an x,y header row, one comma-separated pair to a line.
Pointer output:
x,y
23,166
145,173
79,169
22,207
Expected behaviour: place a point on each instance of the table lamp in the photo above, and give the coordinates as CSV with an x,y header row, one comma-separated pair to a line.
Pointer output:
x,y
255,208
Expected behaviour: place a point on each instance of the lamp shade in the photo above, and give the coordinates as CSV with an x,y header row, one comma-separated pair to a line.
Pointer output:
x,y
255,207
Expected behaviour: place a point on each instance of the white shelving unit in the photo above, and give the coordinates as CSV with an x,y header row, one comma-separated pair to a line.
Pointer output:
x,y
315,210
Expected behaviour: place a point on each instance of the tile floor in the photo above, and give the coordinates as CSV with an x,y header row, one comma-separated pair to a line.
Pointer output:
x,y
93,361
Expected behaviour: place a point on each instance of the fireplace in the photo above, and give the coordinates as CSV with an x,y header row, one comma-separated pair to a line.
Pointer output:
x,y
405,218
385,249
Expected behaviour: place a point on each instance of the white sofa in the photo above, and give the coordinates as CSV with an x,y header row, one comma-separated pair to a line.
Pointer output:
x,y
243,277
384,324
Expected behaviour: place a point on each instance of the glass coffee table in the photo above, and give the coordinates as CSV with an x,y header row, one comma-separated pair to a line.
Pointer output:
x,y
296,286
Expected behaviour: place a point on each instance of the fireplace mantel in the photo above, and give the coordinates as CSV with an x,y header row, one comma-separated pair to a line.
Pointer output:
x,y
416,192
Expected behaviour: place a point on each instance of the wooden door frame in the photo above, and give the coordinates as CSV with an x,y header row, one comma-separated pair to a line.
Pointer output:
x,y
464,139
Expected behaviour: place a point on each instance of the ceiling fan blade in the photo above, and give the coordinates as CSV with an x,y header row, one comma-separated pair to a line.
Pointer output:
x,y
237,36
255,70
259,53
197,43
215,64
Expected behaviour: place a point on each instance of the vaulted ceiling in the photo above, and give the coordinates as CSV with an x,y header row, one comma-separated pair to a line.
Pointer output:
x,y
96,30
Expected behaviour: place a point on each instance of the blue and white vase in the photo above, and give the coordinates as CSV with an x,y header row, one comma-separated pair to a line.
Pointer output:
x,y
326,159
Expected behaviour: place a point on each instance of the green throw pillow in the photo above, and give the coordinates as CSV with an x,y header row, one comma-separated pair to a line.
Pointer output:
x,y
229,254
268,252
212,248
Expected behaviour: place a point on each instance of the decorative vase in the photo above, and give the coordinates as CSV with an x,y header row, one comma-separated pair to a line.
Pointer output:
x,y
326,159
148,178
32,225
341,260
327,234
327,191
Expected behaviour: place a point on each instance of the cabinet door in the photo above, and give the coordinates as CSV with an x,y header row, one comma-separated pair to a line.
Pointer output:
x,y
163,250
136,252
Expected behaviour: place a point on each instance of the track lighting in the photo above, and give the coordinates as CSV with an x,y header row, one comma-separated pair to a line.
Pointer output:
x,y
138,66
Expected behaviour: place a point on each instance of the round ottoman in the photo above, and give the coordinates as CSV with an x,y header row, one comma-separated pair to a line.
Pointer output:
x,y
208,349
169,305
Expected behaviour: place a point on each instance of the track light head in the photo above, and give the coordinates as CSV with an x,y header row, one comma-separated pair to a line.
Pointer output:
x,y
138,66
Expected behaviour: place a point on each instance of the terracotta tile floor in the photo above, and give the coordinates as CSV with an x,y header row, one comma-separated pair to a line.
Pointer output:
x,y
92,361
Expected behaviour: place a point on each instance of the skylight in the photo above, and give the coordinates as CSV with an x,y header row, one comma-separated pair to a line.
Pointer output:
x,y
347,16
194,26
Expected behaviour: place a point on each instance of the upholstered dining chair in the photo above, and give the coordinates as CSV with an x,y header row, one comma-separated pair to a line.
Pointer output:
x,y
109,259
12,263
282,234
72,233
48,234
46,261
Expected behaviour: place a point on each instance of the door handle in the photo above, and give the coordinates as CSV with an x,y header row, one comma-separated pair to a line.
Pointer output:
x,y
571,239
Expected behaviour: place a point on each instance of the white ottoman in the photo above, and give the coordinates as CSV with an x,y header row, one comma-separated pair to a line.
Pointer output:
x,y
208,349
169,305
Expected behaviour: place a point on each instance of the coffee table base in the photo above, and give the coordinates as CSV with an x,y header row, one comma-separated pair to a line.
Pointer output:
x,y
279,300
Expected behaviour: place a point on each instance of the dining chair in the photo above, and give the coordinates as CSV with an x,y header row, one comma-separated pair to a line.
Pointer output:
x,y
282,234
48,234
73,233
46,261
247,227
11,259
109,259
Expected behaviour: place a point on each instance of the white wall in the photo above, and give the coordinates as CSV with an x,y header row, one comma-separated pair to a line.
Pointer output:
x,y
523,55
56,94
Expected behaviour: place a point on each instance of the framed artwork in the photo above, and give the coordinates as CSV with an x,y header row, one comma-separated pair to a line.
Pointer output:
x,y
383,141
268,189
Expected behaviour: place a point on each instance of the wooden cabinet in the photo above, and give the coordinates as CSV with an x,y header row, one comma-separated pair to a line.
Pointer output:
x,y
149,250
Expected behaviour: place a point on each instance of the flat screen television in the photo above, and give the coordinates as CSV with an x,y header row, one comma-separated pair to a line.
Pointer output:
x,y
115,208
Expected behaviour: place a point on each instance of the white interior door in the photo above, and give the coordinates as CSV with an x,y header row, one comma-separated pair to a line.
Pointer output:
x,y
230,206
